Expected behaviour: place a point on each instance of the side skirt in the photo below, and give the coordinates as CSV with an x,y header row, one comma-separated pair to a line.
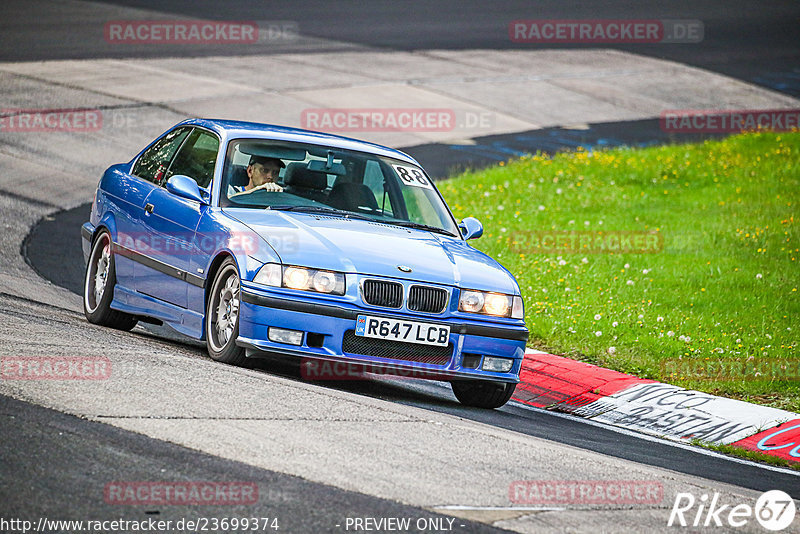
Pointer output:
x,y
185,321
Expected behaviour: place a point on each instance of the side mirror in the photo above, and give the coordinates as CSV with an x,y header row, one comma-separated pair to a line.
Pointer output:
x,y
185,187
471,228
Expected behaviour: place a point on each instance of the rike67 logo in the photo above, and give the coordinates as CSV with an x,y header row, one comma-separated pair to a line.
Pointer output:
x,y
774,510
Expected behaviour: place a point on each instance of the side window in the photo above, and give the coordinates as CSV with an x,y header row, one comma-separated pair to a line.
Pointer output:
x,y
373,178
153,163
196,158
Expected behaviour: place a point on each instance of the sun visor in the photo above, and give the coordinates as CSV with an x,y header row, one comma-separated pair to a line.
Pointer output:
x,y
272,151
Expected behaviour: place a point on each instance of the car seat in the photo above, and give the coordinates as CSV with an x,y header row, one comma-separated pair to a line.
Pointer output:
x,y
352,197
299,180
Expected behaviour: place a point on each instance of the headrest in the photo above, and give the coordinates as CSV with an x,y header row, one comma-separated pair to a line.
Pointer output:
x,y
351,196
239,175
298,175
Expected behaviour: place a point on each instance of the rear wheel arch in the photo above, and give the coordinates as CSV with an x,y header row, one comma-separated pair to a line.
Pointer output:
x,y
98,231
108,223
99,283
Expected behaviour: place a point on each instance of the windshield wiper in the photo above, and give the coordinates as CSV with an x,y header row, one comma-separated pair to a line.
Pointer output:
x,y
322,210
420,226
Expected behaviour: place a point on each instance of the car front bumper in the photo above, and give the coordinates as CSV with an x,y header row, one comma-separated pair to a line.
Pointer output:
x,y
327,335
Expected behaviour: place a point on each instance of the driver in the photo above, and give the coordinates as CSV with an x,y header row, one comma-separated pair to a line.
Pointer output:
x,y
263,173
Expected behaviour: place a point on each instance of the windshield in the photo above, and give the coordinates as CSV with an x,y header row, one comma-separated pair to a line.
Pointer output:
x,y
262,174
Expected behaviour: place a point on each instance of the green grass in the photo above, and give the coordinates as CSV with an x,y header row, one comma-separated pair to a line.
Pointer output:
x,y
722,290
747,454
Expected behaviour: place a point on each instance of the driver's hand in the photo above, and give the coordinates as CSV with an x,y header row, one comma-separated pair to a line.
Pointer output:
x,y
269,186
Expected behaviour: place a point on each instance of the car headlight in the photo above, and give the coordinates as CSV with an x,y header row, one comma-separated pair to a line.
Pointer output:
x,y
496,304
471,301
325,281
303,278
296,277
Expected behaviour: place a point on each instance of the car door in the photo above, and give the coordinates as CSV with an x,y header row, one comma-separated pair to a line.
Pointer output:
x,y
130,193
171,221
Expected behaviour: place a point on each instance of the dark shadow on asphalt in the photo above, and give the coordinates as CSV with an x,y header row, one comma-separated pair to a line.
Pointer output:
x,y
79,458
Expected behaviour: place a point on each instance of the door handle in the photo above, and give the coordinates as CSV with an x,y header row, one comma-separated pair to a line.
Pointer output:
x,y
148,208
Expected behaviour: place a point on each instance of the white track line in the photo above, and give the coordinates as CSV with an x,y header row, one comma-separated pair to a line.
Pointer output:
x,y
647,437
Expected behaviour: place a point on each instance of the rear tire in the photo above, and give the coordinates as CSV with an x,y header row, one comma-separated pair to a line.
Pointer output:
x,y
222,316
482,393
98,287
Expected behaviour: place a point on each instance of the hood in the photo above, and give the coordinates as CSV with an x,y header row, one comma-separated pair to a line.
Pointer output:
x,y
373,248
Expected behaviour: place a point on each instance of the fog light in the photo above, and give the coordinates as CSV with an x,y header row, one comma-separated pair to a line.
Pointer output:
x,y
281,335
498,365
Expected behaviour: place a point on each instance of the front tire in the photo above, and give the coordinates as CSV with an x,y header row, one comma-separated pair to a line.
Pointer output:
x,y
482,393
222,316
98,287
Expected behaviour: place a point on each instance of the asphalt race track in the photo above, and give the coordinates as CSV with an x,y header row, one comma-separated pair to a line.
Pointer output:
x,y
754,42
322,454
49,240
78,451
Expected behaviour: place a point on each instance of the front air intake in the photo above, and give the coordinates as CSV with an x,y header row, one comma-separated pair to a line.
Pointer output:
x,y
427,299
382,293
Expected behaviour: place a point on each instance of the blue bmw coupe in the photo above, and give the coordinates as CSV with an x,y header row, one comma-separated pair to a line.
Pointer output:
x,y
262,239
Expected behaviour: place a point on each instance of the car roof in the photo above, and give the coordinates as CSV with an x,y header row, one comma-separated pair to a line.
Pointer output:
x,y
229,129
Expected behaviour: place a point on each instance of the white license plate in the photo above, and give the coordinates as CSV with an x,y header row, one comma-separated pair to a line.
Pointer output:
x,y
399,330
